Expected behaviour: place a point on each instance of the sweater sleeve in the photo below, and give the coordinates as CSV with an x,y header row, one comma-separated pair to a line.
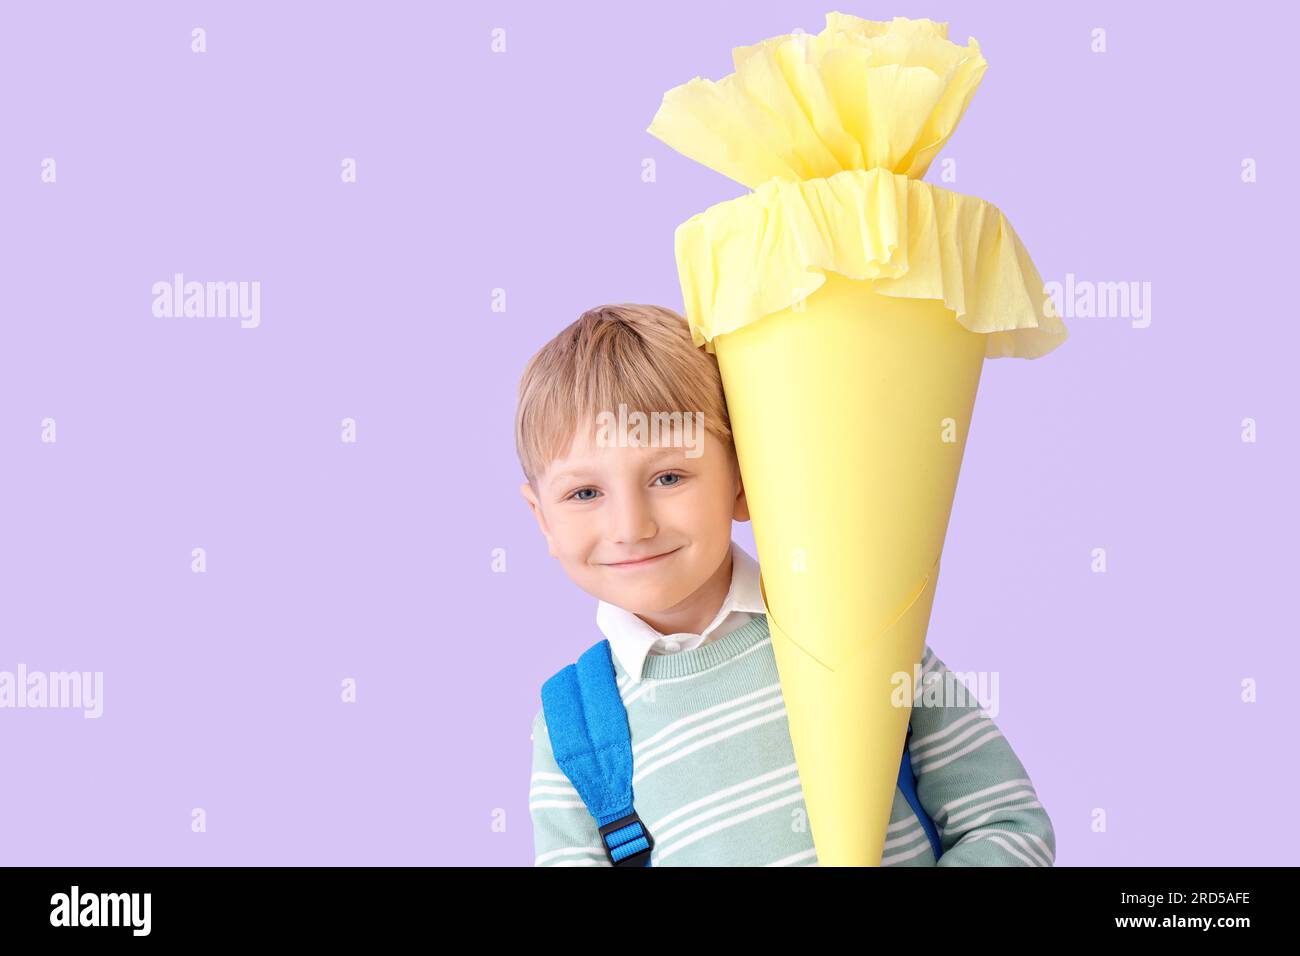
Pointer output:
x,y
971,783
564,832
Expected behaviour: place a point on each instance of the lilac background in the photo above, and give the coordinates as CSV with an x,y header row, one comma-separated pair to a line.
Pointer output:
x,y
522,171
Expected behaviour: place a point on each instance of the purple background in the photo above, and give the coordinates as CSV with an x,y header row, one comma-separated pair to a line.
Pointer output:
x,y
521,171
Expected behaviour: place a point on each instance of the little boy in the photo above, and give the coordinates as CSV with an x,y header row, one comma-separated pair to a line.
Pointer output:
x,y
645,527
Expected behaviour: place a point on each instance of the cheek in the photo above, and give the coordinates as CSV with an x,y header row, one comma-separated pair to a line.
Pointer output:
x,y
574,535
718,497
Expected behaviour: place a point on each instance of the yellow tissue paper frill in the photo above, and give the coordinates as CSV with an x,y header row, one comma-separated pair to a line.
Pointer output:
x,y
860,94
759,254
833,132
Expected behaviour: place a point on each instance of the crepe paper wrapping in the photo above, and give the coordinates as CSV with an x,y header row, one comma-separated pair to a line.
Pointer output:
x,y
756,255
851,307
832,132
861,94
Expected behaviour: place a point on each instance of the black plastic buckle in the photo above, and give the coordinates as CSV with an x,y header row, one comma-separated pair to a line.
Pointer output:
x,y
636,859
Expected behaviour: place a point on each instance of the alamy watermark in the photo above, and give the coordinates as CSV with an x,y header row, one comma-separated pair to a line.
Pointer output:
x,y
59,690
1085,299
76,908
946,688
656,429
208,300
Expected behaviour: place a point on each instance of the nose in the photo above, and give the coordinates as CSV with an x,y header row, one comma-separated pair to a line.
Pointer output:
x,y
631,519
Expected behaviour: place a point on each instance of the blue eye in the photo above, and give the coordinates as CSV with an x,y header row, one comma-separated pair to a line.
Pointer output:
x,y
578,495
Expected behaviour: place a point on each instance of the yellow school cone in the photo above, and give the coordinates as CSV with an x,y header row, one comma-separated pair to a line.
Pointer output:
x,y
851,306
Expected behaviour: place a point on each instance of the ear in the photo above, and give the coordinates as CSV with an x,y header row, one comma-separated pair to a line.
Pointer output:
x,y
530,496
741,510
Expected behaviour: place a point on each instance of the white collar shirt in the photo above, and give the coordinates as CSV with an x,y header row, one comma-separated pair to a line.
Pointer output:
x,y
631,639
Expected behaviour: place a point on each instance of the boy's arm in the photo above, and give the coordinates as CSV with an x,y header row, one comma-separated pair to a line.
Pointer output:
x,y
564,832
972,784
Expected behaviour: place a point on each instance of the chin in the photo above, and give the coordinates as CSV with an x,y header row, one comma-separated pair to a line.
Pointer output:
x,y
651,600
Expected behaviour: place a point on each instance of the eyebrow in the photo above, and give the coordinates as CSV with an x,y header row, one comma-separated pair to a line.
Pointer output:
x,y
573,473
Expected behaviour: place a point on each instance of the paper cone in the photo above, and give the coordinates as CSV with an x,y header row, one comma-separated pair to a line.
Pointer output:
x,y
850,419
850,305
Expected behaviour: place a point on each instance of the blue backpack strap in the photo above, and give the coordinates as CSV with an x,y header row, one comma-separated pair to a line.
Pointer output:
x,y
587,724
907,783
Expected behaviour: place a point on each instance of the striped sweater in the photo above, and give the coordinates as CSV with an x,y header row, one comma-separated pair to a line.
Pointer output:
x,y
716,783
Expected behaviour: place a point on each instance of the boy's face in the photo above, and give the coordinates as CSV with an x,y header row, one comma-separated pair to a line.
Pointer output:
x,y
600,506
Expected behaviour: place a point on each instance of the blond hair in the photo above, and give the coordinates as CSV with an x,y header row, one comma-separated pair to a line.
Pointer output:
x,y
640,355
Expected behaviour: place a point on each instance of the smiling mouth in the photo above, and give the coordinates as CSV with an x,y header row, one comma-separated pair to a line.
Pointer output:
x,y
644,561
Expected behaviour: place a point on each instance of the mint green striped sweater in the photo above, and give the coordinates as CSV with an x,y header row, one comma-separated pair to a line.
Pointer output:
x,y
716,783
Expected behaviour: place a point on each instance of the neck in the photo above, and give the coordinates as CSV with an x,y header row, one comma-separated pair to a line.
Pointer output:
x,y
694,613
